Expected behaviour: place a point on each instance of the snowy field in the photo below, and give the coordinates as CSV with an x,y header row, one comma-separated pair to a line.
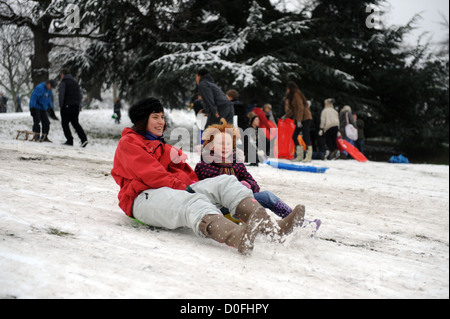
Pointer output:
x,y
384,234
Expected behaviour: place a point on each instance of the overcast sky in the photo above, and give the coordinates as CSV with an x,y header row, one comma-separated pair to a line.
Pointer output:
x,y
401,11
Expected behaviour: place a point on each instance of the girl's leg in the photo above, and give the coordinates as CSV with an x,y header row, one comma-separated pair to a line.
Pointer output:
x,y
266,199
274,203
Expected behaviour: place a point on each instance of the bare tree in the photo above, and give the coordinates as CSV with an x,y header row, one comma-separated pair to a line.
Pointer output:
x,y
15,66
47,20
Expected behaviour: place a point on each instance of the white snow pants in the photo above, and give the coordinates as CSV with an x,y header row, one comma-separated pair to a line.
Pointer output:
x,y
170,208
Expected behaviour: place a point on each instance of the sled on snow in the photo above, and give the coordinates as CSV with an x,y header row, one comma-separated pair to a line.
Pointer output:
x,y
284,144
296,167
343,145
34,136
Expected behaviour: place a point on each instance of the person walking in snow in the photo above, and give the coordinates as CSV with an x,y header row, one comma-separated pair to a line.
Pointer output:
x,y
3,103
40,103
216,104
117,109
158,188
219,157
297,108
69,102
329,125
346,117
359,143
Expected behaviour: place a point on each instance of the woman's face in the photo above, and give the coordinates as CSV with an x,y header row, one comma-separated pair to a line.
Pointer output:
x,y
156,123
255,123
223,144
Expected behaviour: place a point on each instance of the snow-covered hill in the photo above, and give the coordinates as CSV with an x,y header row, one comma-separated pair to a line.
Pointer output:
x,y
384,234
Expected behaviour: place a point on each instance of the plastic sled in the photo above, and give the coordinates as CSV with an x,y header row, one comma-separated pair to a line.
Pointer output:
x,y
295,167
343,145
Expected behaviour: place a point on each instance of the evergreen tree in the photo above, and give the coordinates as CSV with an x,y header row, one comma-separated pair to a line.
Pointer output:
x,y
401,92
241,53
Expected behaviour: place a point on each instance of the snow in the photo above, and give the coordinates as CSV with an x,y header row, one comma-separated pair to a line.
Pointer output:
x,y
384,233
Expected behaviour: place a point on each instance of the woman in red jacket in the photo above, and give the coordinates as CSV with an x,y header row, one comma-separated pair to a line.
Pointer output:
x,y
160,189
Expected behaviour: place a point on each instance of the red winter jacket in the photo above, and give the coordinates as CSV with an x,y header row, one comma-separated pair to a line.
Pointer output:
x,y
141,164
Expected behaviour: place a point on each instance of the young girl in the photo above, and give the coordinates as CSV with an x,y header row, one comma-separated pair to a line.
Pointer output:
x,y
219,158
158,188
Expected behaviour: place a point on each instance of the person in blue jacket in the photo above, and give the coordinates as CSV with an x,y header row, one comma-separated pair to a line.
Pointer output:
x,y
40,102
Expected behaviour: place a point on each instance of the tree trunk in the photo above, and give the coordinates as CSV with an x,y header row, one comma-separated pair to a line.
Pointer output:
x,y
40,63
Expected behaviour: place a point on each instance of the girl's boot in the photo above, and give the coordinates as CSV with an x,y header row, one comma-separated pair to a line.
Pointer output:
x,y
281,209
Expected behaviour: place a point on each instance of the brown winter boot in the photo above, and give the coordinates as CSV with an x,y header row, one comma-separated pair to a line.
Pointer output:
x,y
225,231
277,230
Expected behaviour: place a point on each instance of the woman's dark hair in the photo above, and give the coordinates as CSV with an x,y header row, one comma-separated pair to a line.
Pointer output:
x,y
202,72
293,88
140,112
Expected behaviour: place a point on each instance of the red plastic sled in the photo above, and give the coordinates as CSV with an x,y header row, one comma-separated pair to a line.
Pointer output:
x,y
284,145
343,145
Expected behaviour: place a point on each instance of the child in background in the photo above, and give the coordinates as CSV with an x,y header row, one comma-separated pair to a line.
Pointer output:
x,y
267,108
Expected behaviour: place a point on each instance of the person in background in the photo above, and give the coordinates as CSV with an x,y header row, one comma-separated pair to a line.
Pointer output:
x,y
117,110
69,102
329,125
267,108
197,104
19,103
256,143
40,103
239,109
360,142
216,104
297,108
3,103
346,116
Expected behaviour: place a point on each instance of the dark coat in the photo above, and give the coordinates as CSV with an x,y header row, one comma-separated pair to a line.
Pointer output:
x,y
69,92
215,101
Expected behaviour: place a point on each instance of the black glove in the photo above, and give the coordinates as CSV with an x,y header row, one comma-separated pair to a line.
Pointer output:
x,y
52,114
190,190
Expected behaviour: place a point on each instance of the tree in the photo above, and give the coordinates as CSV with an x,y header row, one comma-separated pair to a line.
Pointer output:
x,y
241,53
401,91
47,20
15,65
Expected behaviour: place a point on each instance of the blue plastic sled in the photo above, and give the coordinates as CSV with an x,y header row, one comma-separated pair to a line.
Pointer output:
x,y
294,167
